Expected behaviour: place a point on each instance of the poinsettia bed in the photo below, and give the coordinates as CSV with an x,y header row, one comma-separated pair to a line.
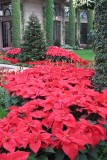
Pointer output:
x,y
60,117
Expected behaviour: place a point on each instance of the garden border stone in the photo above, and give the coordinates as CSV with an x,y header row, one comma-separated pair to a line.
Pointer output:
x,y
12,67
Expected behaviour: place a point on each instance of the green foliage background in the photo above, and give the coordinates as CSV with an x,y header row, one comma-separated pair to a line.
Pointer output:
x,y
16,23
49,22
72,24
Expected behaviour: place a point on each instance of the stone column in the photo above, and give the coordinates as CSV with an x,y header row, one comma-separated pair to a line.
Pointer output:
x,y
16,23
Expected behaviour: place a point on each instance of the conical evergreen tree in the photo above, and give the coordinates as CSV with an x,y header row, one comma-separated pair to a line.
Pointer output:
x,y
33,45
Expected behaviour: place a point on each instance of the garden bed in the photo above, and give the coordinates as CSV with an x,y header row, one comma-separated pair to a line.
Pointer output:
x,y
53,110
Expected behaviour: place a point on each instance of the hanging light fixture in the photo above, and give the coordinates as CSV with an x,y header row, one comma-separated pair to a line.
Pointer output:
x,y
1,11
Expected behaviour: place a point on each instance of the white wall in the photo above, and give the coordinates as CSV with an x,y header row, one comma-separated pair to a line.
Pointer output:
x,y
33,6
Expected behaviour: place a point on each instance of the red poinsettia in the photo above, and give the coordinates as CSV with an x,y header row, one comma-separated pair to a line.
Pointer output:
x,y
11,60
19,155
39,139
70,142
60,99
7,141
13,51
61,52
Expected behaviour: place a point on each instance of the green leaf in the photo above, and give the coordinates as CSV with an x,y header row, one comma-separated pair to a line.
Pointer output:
x,y
42,157
32,156
77,157
93,122
102,143
84,151
3,113
93,154
59,155
83,157
105,126
49,150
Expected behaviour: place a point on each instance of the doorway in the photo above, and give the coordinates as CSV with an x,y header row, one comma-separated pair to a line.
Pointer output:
x,y
57,32
6,30
83,33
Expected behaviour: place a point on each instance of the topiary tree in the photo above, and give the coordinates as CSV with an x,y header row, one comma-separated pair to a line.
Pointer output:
x,y
71,24
49,22
16,20
100,77
33,45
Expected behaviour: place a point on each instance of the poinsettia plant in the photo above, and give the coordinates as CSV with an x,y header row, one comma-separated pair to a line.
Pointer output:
x,y
63,117
13,52
54,54
11,60
10,55
60,54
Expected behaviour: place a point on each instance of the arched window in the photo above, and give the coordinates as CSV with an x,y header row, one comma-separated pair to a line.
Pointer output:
x,y
7,12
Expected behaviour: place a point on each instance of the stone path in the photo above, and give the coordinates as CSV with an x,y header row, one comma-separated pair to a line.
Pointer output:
x,y
12,67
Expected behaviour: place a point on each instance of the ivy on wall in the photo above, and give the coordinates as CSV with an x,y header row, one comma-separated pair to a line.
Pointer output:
x,y
100,78
71,24
63,23
16,26
22,18
49,22
90,14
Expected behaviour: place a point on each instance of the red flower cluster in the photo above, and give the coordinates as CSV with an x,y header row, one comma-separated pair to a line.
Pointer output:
x,y
48,119
47,62
19,155
24,127
60,52
42,80
13,51
11,60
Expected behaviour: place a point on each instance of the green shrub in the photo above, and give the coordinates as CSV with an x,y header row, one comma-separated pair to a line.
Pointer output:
x,y
6,100
90,37
3,113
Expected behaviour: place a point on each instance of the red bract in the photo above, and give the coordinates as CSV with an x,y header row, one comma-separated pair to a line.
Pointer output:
x,y
70,142
13,51
38,139
94,133
61,117
19,155
7,141
11,60
29,125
